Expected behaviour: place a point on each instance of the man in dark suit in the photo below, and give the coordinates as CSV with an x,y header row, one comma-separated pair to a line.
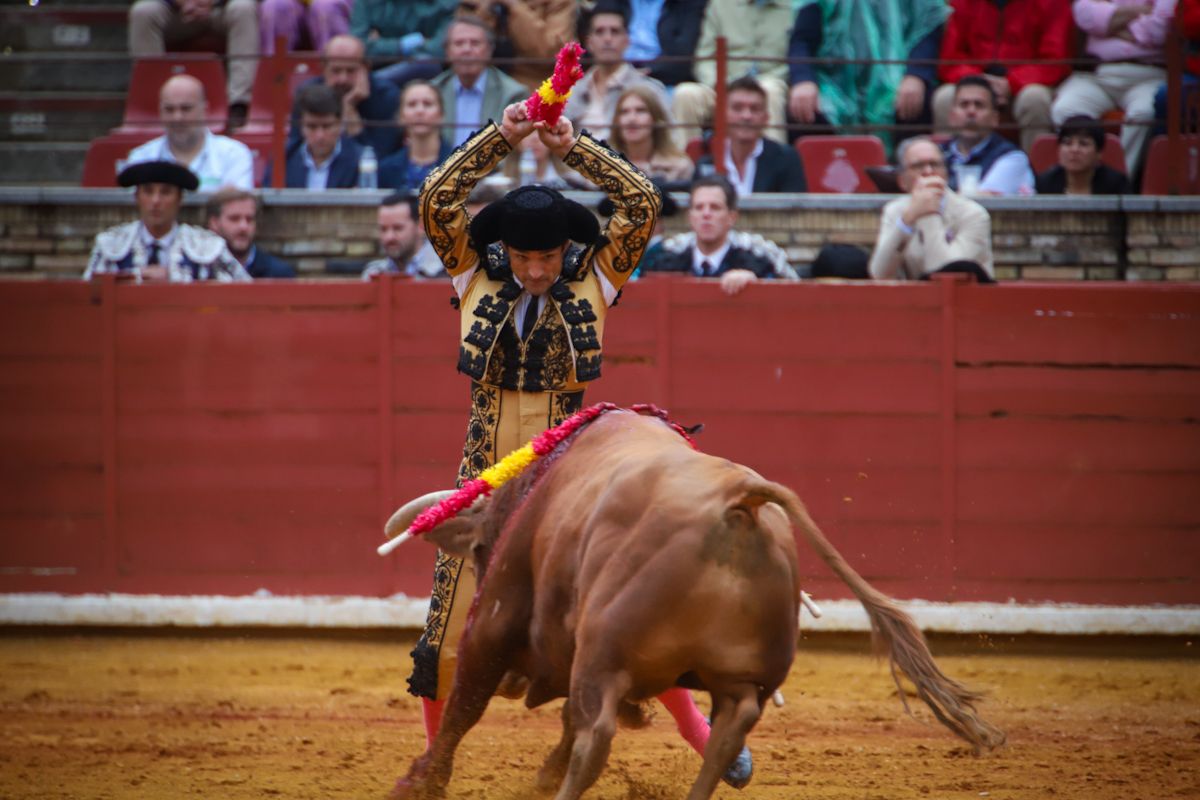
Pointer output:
x,y
753,162
713,249
324,157
233,215
369,104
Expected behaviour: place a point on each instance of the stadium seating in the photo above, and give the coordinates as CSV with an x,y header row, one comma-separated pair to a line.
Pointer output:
x,y
259,143
302,67
1044,153
837,164
1158,167
106,156
148,76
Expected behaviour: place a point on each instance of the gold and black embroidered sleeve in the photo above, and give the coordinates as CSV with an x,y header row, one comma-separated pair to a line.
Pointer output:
x,y
444,197
637,203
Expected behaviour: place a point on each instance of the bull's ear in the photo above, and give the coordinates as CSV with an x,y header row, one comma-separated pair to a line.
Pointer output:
x,y
456,537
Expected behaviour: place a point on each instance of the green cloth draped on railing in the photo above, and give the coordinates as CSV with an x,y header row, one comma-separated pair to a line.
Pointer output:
x,y
879,30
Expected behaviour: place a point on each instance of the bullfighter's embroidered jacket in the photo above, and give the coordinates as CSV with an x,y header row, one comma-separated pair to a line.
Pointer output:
x,y
563,351
519,388
194,254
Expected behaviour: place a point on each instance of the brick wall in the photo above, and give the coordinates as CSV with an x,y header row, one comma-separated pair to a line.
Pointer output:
x,y
47,233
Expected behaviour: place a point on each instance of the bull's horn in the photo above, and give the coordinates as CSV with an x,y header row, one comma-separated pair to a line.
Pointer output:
x,y
397,526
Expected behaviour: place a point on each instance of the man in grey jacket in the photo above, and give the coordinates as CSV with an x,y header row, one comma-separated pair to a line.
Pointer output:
x,y
473,91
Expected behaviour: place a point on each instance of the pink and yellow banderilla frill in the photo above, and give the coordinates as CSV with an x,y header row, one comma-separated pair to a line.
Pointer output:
x,y
547,103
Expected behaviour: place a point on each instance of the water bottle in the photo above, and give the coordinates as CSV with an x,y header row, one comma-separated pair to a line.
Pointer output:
x,y
528,165
368,169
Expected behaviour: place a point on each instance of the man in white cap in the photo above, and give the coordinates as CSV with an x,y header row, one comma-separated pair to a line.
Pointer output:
x,y
156,247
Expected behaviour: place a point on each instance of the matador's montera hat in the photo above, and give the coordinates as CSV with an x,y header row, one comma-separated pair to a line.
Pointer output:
x,y
534,218
167,172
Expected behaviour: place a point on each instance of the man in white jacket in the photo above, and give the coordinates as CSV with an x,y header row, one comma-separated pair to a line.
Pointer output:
x,y
931,228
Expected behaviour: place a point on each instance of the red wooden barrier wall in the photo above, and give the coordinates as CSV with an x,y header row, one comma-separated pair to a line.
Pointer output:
x,y
957,442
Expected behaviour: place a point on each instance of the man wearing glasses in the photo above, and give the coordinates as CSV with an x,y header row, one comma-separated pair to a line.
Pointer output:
x,y
931,228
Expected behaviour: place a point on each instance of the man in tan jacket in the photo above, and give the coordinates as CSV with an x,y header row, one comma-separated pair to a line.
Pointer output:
x,y
931,228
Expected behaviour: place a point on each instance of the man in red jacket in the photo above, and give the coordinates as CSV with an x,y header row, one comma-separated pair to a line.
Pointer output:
x,y
985,32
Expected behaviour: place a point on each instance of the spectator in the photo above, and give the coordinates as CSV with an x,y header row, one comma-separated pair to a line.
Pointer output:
x,y
325,157
980,160
401,239
369,105
831,94
594,98
156,248
986,31
320,19
757,30
473,91
424,148
215,160
753,162
677,24
233,215
641,132
1079,169
528,29
410,33
930,229
713,249
154,24
1128,38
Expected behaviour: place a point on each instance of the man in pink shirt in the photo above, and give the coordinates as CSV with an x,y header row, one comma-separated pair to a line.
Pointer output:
x,y
1127,36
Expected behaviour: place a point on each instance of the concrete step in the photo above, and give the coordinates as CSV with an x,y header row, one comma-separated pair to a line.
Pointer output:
x,y
42,163
43,71
64,28
59,117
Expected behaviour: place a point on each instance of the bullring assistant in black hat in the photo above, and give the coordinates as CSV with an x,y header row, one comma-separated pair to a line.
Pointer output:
x,y
157,247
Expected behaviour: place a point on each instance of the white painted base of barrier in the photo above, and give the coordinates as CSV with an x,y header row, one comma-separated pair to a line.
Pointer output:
x,y
263,609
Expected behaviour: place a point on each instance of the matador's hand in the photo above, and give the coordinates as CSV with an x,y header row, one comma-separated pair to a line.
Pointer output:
x,y
558,139
515,124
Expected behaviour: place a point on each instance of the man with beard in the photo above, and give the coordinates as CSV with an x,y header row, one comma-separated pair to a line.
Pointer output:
x,y
402,241
215,160
369,104
156,248
713,249
997,165
233,215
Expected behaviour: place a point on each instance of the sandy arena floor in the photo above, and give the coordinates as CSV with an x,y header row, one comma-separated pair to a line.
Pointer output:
x,y
87,716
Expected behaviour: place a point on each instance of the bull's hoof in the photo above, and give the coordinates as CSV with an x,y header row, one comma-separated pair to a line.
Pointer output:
x,y
406,789
740,771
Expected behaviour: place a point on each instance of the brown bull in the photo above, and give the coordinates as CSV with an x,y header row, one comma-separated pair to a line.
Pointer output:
x,y
626,563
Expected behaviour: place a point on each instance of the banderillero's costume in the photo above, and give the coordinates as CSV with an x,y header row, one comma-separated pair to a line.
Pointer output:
x,y
522,386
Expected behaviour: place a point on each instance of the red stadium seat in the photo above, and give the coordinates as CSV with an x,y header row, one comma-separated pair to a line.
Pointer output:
x,y
106,156
148,76
837,164
695,150
259,143
302,67
1044,153
1158,166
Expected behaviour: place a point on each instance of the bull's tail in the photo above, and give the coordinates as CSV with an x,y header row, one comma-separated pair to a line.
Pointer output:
x,y
891,629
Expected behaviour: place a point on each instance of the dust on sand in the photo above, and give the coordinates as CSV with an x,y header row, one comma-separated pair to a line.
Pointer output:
x,y
88,715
